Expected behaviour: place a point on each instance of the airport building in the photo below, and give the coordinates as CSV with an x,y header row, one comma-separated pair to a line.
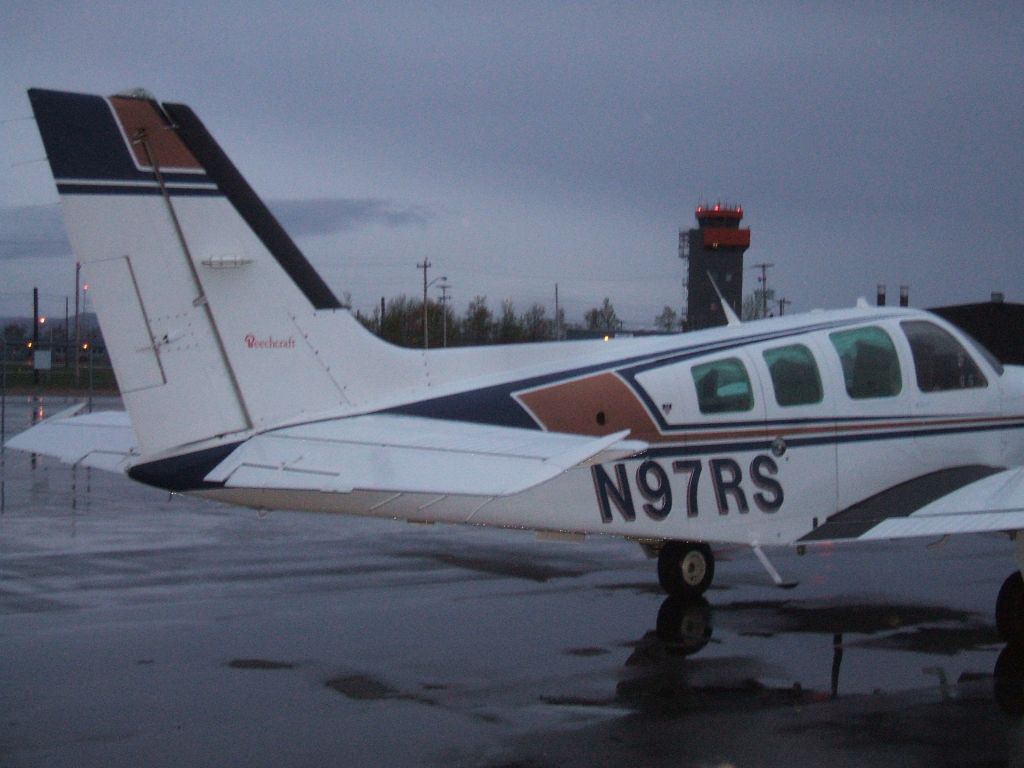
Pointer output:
x,y
995,323
716,247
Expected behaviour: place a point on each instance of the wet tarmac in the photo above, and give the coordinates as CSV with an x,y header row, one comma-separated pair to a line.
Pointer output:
x,y
137,628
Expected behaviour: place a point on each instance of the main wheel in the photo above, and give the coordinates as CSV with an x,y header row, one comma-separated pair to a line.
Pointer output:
x,y
686,568
1008,680
1010,609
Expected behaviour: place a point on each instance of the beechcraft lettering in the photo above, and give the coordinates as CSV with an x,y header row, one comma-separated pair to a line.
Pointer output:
x,y
658,487
844,425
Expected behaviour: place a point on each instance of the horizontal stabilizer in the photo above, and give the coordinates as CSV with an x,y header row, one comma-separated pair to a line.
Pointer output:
x,y
103,440
405,454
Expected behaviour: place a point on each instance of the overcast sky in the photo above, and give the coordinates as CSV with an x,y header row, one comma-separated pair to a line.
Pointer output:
x,y
520,145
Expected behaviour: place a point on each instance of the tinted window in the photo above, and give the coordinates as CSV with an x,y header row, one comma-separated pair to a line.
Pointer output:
x,y
795,375
940,361
871,367
723,386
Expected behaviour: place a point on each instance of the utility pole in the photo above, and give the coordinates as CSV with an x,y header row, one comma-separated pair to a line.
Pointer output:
x,y
763,279
444,311
783,303
558,317
424,266
35,333
78,335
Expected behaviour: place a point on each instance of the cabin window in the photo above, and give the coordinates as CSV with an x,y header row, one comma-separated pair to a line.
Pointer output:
x,y
871,367
940,361
795,376
723,386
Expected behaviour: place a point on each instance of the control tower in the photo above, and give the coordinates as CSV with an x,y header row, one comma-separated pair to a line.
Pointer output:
x,y
716,246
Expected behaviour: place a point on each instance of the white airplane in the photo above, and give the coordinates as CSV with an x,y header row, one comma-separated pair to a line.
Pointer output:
x,y
245,381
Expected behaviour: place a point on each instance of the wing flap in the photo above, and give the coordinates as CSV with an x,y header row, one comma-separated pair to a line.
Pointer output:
x,y
405,454
103,440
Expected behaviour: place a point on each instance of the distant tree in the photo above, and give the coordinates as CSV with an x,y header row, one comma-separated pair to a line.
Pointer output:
x,y
667,321
15,333
508,330
478,323
403,321
754,303
602,318
535,326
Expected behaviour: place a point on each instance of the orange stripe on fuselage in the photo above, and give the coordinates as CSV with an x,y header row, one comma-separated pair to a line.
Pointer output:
x,y
594,405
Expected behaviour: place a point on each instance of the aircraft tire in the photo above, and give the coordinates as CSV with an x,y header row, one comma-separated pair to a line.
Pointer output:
x,y
686,568
1010,609
1008,680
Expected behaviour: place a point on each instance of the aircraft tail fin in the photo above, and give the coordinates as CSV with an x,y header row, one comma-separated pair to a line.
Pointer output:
x,y
214,320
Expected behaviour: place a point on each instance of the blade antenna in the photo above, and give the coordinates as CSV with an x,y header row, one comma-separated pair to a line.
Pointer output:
x,y
730,316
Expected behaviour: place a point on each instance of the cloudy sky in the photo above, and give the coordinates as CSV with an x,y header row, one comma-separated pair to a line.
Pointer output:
x,y
519,145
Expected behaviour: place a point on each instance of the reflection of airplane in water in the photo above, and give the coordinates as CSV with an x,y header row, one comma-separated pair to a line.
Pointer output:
x,y
684,627
246,381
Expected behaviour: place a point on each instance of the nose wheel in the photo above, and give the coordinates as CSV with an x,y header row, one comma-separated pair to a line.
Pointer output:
x,y
685,568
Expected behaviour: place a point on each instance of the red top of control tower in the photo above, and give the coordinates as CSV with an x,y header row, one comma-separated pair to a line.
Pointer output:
x,y
719,211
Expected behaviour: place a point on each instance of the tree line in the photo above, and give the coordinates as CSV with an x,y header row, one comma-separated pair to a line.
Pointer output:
x,y
402,322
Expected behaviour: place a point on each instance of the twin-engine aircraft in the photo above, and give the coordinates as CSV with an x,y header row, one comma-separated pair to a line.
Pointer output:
x,y
246,381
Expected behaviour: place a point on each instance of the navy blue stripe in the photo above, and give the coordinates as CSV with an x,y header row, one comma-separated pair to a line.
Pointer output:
x,y
764,443
822,421
85,188
81,137
185,472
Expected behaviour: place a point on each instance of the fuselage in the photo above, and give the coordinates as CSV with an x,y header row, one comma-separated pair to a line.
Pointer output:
x,y
755,434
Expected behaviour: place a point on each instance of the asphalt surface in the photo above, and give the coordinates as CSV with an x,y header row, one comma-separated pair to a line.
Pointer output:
x,y
137,628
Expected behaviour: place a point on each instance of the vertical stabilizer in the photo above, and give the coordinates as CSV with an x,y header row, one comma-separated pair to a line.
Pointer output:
x,y
202,297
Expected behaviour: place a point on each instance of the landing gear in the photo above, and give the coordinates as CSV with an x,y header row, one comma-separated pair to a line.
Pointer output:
x,y
1010,609
685,568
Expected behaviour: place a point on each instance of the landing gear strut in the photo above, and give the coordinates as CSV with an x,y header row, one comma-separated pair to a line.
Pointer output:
x,y
686,568
1010,609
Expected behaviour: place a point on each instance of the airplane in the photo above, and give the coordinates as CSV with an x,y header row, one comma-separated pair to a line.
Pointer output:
x,y
244,380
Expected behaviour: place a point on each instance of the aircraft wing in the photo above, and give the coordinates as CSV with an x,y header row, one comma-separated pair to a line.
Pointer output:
x,y
411,455
103,440
972,499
